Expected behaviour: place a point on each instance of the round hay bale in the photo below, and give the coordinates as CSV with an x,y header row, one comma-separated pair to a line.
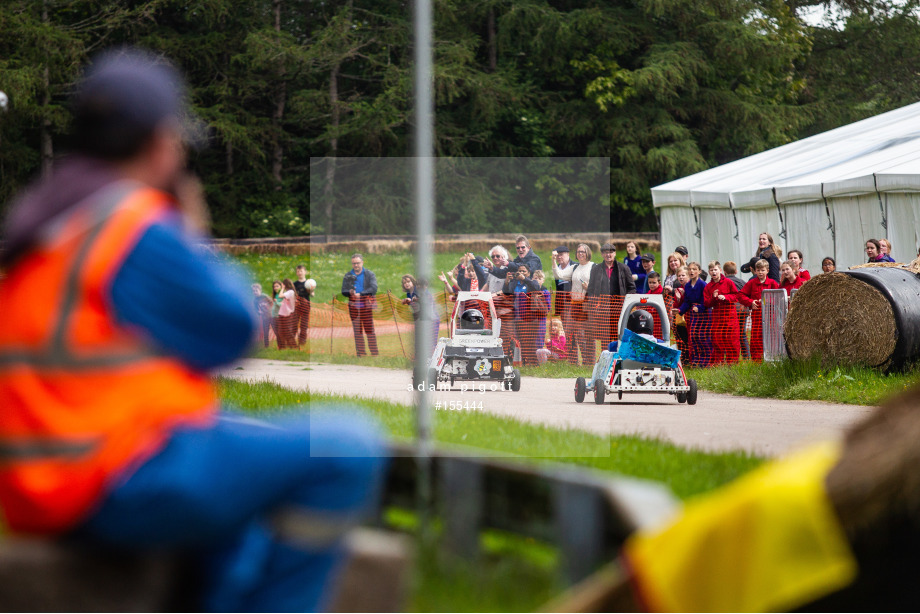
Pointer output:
x,y
914,266
841,320
869,265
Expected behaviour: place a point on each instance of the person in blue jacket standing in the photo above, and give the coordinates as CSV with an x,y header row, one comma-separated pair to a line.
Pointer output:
x,y
360,287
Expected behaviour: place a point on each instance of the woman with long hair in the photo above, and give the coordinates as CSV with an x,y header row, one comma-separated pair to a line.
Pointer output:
x,y
633,260
874,252
768,250
674,262
576,317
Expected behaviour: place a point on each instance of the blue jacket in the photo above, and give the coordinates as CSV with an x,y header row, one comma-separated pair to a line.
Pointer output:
x,y
370,283
693,295
532,260
635,267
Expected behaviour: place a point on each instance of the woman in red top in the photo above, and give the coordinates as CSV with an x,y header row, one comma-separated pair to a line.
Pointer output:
x,y
750,296
789,281
720,294
796,258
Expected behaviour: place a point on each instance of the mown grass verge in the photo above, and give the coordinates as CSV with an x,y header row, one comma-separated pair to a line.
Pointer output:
x,y
686,472
514,573
806,380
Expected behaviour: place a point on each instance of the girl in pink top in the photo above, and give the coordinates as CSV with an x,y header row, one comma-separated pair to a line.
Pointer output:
x,y
287,321
555,346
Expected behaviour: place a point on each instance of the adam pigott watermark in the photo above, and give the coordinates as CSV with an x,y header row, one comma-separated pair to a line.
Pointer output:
x,y
482,388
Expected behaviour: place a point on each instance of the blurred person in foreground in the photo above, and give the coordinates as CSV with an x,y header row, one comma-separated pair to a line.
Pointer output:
x,y
112,433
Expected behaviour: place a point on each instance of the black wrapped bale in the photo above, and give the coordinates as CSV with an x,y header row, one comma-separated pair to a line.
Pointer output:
x,y
866,316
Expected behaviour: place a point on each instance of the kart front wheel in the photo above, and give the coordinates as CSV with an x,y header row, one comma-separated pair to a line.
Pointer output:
x,y
580,390
516,381
432,377
599,391
681,397
691,394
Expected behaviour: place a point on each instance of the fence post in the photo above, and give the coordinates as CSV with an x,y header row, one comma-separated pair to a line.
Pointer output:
x,y
393,311
332,325
774,306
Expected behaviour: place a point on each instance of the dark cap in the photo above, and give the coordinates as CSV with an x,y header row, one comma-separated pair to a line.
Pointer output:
x,y
683,251
608,247
561,248
123,97
648,257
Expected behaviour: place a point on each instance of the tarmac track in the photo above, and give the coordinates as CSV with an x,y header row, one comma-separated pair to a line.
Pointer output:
x,y
717,422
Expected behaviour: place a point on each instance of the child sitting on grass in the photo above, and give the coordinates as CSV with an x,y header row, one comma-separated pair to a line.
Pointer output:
x,y
555,345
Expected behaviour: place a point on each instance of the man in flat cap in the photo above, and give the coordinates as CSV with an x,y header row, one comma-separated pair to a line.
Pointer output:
x,y
608,279
111,428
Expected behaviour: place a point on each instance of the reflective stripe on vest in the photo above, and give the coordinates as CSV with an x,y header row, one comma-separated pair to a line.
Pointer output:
x,y
83,398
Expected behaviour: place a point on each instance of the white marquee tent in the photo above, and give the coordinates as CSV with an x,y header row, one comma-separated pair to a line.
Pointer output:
x,y
824,195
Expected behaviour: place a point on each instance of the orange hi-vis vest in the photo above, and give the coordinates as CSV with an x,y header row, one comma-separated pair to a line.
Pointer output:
x,y
82,398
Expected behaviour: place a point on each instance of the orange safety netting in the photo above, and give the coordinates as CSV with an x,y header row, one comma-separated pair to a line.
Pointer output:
x,y
385,326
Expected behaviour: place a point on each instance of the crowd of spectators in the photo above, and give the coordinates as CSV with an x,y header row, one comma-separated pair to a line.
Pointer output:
x,y
712,307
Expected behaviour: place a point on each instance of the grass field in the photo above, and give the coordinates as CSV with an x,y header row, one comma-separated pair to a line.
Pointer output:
x,y
806,380
514,573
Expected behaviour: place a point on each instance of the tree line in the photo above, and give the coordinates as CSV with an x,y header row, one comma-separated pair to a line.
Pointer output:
x,y
663,88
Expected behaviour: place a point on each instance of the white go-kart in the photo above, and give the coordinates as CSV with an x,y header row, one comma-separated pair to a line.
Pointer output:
x,y
472,352
639,364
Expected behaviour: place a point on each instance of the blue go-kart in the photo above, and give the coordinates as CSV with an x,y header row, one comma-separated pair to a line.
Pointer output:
x,y
639,363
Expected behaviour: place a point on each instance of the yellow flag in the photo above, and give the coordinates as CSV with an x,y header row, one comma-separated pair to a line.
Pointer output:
x,y
770,541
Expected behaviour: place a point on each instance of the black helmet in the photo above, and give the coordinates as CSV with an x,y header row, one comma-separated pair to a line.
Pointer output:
x,y
472,319
640,322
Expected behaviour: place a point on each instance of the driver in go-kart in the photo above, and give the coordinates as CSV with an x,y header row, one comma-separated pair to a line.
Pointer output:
x,y
472,319
642,323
